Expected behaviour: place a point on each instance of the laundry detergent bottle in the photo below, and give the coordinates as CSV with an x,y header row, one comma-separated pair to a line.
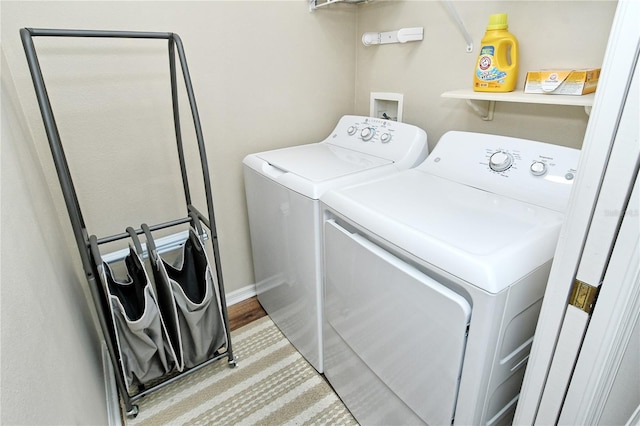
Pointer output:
x,y
497,66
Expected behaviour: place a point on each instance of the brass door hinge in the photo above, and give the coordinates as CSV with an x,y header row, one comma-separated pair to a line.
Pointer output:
x,y
583,296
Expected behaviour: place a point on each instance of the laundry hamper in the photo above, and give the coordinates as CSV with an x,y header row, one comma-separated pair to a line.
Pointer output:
x,y
192,301
154,335
145,351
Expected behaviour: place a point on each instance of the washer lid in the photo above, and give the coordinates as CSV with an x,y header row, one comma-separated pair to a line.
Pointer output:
x,y
488,240
320,162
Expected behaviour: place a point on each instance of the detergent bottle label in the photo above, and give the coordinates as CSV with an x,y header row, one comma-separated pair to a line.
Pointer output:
x,y
487,70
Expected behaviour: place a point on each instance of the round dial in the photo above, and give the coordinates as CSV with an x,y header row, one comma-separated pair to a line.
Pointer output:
x,y
367,133
352,130
538,168
500,161
385,138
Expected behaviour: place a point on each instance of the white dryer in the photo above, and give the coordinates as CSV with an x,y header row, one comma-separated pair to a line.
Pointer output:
x,y
434,279
283,188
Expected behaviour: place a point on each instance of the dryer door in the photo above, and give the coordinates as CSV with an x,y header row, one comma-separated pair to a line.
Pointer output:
x,y
395,337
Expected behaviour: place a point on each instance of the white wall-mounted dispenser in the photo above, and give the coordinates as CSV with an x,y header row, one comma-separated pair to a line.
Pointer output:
x,y
399,36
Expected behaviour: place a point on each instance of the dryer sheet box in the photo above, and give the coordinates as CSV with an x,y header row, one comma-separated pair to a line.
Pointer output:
x,y
562,82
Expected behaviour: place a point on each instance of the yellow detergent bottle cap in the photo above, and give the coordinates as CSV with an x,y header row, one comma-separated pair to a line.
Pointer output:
x,y
498,22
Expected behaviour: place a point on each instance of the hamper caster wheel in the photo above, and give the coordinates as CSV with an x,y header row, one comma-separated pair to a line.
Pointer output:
x,y
133,413
233,362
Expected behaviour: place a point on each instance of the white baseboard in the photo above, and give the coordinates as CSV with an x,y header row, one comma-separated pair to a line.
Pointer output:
x,y
163,245
241,294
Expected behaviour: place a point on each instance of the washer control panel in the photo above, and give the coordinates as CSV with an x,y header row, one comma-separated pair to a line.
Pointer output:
x,y
531,171
373,130
383,138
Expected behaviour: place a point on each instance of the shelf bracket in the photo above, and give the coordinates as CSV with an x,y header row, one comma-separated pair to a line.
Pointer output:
x,y
454,14
484,109
587,109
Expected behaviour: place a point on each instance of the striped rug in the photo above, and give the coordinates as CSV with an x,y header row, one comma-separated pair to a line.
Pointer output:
x,y
271,385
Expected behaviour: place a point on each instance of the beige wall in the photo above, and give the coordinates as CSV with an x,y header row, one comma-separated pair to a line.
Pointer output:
x,y
50,355
266,74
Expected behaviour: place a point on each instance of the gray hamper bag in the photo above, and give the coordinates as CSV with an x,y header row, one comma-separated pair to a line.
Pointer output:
x,y
188,288
145,350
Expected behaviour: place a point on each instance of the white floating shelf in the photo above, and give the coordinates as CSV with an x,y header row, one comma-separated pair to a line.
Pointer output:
x,y
485,109
521,97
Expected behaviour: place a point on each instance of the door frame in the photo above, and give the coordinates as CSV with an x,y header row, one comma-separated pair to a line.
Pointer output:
x,y
617,69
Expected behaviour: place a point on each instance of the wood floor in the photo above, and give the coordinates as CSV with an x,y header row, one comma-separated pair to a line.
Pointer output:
x,y
244,312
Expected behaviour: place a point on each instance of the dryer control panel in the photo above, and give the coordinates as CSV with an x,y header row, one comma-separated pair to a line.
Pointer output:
x,y
530,171
502,160
399,142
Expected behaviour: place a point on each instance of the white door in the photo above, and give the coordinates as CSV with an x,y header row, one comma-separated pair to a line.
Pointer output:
x,y
579,360
609,270
605,384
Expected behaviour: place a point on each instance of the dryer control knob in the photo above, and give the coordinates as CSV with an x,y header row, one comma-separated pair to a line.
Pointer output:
x,y
500,161
352,130
367,133
538,168
385,138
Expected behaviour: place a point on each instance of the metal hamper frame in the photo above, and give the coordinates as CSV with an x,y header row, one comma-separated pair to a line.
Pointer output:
x,y
79,229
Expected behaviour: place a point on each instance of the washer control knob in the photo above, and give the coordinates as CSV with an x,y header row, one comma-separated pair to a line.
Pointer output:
x,y
385,138
500,161
538,168
352,130
367,133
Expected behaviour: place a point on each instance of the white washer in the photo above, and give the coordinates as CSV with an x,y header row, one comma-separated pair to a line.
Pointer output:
x,y
283,187
434,279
